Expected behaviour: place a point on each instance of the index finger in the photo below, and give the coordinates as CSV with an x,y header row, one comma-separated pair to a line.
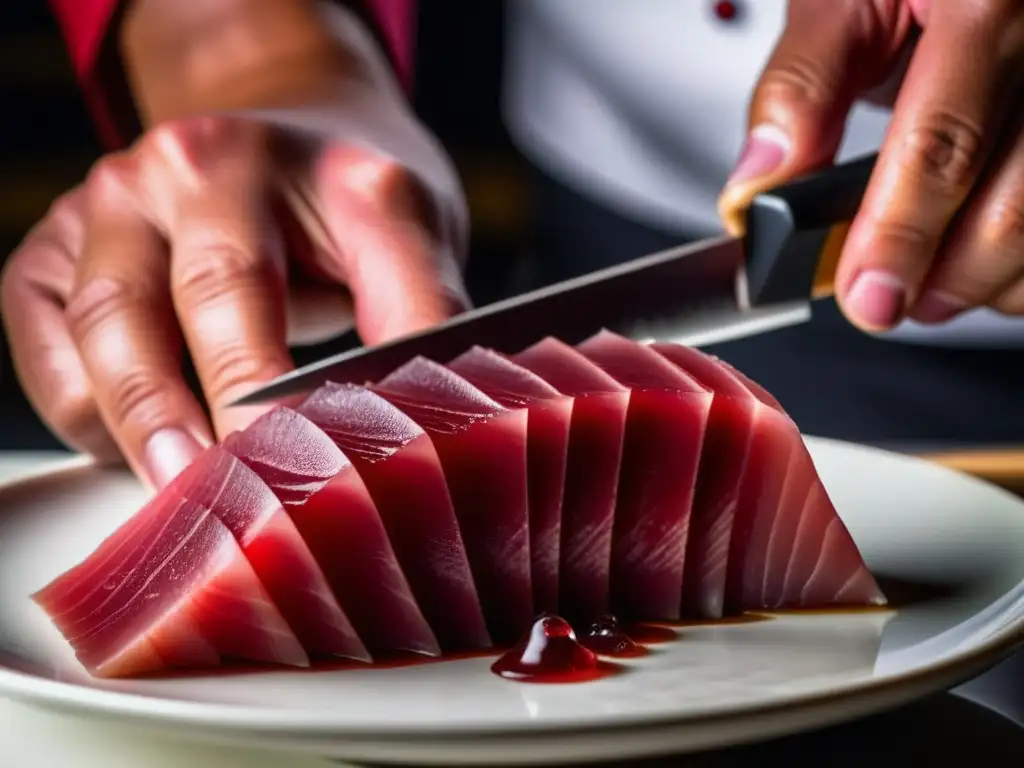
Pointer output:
x,y
227,263
950,102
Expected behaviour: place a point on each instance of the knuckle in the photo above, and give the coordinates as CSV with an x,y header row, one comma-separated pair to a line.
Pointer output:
x,y
109,183
95,303
908,233
189,145
800,80
945,150
136,396
380,180
235,369
1003,226
215,272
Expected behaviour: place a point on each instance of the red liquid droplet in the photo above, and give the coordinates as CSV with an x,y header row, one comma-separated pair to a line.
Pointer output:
x,y
726,10
606,637
549,653
651,634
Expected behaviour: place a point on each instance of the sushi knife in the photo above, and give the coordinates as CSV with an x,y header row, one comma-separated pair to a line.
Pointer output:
x,y
701,293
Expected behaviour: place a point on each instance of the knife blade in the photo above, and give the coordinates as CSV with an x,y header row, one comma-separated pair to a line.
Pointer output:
x,y
701,293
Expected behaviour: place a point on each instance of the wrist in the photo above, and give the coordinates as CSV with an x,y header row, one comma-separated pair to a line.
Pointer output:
x,y
221,55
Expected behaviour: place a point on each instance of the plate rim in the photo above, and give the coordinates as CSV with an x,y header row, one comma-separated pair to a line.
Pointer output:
x,y
277,723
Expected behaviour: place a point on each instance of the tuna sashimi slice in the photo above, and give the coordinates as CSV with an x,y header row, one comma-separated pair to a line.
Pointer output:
x,y
548,420
482,447
171,588
665,426
723,464
592,467
245,504
333,511
400,467
789,547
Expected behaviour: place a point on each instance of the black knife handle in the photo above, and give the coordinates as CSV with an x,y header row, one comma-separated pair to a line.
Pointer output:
x,y
795,232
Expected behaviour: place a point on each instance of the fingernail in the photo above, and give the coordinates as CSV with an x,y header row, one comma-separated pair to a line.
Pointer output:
x,y
936,307
167,453
876,299
766,149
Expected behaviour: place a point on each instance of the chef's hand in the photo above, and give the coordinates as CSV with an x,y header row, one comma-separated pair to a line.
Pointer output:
x,y
222,234
941,229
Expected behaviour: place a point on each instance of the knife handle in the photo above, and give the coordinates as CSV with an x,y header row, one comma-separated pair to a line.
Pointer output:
x,y
795,232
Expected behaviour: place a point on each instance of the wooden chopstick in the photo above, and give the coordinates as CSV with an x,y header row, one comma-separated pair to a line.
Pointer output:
x,y
1002,466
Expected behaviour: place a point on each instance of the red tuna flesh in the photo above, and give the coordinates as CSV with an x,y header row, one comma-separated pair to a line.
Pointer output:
x,y
548,420
248,507
401,469
171,588
723,463
591,474
789,548
482,447
340,523
665,426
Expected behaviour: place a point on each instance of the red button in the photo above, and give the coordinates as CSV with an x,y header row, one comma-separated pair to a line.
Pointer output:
x,y
726,10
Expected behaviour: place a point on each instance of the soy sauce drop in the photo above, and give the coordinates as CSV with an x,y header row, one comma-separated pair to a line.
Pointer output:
x,y
549,653
606,638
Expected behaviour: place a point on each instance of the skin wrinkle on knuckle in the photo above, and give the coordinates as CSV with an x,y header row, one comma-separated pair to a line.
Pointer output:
x,y
97,303
945,151
235,369
800,81
138,398
905,234
1002,225
216,273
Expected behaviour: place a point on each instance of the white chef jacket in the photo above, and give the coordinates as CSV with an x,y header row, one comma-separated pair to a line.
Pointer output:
x,y
643,104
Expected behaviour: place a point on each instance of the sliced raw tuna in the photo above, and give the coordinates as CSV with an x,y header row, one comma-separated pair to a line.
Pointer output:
x,y
482,447
591,474
333,511
400,467
279,556
789,548
550,414
727,443
171,588
797,553
425,475
665,426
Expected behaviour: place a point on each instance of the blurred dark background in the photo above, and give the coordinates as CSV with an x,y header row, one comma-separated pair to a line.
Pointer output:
x,y
47,145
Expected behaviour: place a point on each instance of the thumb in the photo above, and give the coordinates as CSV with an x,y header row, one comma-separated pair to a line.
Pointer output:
x,y
829,53
395,248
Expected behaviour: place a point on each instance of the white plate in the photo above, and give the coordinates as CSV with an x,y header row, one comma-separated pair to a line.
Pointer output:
x,y
716,685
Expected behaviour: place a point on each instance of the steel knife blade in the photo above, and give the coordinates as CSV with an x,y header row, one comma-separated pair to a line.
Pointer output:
x,y
701,293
